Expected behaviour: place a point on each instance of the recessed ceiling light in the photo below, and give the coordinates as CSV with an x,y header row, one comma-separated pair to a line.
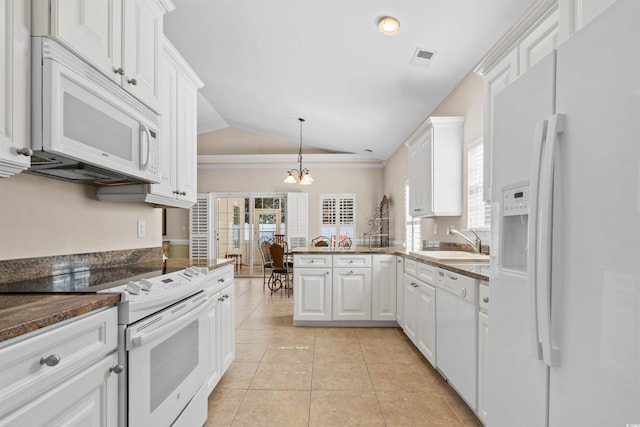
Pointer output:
x,y
388,25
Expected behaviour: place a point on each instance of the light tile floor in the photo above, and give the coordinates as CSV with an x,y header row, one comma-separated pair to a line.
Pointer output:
x,y
294,376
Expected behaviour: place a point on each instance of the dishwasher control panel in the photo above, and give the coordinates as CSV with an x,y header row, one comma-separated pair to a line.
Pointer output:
x,y
462,286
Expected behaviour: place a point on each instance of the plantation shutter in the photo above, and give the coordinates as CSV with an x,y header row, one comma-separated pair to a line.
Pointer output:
x,y
199,226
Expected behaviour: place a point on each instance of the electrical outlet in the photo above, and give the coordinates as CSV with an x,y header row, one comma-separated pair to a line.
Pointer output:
x,y
141,228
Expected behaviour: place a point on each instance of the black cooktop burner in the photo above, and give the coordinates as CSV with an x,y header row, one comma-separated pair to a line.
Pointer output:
x,y
88,281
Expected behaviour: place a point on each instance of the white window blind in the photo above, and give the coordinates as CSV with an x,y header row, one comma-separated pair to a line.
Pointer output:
x,y
478,212
338,216
412,227
199,229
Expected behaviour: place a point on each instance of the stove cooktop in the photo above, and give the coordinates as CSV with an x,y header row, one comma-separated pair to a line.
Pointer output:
x,y
89,281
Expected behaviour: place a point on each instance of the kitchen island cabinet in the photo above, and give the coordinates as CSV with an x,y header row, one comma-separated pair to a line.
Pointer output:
x,y
64,374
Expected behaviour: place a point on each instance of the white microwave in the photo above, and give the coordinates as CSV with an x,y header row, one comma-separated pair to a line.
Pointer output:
x,y
85,128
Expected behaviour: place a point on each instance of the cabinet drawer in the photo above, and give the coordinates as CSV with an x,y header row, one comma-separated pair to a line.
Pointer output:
x,y
312,260
427,273
352,260
411,267
483,297
77,344
220,277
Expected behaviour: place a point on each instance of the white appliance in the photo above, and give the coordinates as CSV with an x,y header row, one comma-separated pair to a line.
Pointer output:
x,y
564,337
163,344
84,128
456,326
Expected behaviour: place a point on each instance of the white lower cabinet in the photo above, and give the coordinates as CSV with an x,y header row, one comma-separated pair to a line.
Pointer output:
x,y
426,333
383,288
399,290
410,318
61,375
351,294
419,317
84,400
483,343
221,327
312,294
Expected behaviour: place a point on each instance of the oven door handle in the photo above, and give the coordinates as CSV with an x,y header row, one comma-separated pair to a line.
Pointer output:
x,y
181,321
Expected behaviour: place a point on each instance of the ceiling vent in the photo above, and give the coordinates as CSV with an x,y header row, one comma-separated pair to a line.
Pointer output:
x,y
422,57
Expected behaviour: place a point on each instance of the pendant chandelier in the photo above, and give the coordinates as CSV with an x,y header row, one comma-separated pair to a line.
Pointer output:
x,y
304,174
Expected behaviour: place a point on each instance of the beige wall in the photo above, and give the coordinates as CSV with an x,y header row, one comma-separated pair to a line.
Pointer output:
x,y
45,217
464,100
366,183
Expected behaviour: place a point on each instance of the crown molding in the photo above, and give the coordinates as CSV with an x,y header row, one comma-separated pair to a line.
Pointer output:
x,y
527,22
270,161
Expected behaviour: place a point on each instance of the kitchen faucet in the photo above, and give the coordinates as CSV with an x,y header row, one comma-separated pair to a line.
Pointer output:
x,y
477,245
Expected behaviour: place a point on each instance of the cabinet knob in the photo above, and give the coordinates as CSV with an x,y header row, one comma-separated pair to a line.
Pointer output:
x,y
25,151
132,82
485,299
51,360
119,71
221,280
221,299
183,193
117,369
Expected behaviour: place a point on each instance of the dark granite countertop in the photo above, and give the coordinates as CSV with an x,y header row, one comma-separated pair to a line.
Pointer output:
x,y
23,313
28,305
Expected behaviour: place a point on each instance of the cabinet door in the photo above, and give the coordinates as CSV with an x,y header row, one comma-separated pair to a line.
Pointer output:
x,y
142,27
410,319
351,294
483,362
383,288
499,77
312,294
227,328
540,42
15,53
93,29
426,313
186,128
167,138
88,399
399,289
214,342
420,175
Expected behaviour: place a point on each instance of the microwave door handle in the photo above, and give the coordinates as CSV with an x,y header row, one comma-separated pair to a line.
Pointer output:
x,y
148,156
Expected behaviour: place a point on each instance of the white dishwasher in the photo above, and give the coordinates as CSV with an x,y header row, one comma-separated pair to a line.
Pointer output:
x,y
456,326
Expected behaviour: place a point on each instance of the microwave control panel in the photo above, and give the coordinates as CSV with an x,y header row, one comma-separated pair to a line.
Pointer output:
x,y
515,201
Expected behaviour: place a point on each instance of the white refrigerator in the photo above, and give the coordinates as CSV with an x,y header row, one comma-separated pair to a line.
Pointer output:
x,y
564,337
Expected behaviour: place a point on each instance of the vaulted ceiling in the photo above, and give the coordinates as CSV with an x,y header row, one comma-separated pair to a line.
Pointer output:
x,y
267,62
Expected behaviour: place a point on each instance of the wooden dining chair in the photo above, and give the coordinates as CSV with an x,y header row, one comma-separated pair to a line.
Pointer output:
x,y
265,254
282,269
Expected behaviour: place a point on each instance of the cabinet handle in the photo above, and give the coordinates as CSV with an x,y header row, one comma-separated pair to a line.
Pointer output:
x,y
221,280
51,360
183,193
485,299
221,299
351,262
311,262
117,369
417,210
327,272
119,70
132,82
452,277
25,151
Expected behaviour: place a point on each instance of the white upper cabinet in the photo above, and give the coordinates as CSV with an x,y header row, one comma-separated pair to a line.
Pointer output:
x,y
178,139
547,24
119,38
435,168
15,53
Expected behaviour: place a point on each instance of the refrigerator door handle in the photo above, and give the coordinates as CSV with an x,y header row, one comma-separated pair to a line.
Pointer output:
x,y
532,238
544,239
